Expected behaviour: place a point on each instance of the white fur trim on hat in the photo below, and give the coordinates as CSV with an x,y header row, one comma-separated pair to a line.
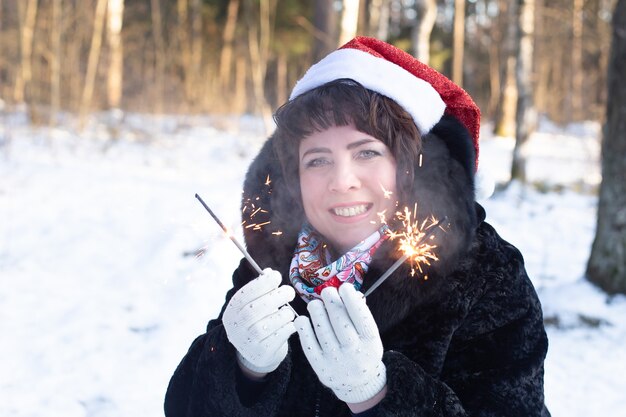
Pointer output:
x,y
415,95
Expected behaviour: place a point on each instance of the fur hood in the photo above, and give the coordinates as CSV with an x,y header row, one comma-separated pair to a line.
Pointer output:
x,y
443,187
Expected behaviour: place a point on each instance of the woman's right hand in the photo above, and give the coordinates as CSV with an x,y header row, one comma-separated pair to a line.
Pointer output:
x,y
258,322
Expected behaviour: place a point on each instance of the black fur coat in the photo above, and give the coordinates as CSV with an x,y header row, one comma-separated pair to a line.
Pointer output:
x,y
468,341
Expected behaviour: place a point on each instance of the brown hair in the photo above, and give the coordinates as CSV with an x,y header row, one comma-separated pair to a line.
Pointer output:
x,y
341,103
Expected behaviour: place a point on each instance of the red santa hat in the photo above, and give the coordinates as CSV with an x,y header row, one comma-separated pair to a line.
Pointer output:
x,y
422,91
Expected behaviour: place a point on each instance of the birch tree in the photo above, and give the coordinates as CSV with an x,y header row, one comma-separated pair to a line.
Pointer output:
x,y
426,15
115,13
607,263
525,115
349,20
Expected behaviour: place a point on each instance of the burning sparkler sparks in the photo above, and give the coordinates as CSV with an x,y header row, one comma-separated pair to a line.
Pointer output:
x,y
251,209
414,242
386,193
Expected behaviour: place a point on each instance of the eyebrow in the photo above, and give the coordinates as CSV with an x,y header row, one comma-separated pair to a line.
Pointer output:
x,y
352,145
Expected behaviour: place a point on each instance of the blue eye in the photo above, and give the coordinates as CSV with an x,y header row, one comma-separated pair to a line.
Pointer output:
x,y
316,162
368,154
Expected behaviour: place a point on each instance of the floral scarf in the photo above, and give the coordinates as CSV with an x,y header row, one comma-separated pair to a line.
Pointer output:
x,y
311,268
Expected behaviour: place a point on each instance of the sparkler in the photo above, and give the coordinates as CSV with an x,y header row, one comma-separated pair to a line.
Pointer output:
x,y
236,242
410,245
243,250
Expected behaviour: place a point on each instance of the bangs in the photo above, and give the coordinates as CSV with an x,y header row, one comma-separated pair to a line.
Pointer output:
x,y
339,103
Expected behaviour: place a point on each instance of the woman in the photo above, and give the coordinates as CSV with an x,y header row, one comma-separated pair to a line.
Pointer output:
x,y
367,131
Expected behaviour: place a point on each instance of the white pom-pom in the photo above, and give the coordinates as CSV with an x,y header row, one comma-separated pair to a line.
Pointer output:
x,y
484,184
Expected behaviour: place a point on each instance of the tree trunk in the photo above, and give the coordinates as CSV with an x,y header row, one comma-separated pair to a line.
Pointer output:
x,y
182,32
241,75
373,16
159,55
92,61
258,42
458,48
281,78
607,263
27,31
504,121
494,79
324,20
115,71
349,20
194,86
226,55
525,116
426,15
577,60
55,62
382,32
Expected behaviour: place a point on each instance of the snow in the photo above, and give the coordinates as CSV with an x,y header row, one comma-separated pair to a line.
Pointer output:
x,y
101,294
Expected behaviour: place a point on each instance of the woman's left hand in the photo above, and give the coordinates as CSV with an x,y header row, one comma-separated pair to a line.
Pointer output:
x,y
345,350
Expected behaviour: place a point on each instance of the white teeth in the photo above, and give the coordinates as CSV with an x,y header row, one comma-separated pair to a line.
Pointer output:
x,y
350,211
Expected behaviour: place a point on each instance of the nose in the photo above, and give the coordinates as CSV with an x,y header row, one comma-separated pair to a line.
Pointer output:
x,y
344,177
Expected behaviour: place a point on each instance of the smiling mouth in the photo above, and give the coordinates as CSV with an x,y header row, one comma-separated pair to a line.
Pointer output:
x,y
351,211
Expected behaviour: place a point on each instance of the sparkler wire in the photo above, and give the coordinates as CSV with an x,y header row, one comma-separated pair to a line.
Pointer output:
x,y
400,261
239,246
231,237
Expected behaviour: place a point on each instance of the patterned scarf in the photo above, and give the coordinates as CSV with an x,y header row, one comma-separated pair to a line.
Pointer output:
x,y
311,268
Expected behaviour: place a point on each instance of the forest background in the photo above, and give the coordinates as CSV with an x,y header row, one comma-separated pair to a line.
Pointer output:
x,y
235,56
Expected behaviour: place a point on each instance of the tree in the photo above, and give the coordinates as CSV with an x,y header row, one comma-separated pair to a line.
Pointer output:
x,y
525,115
458,48
189,31
226,55
55,61
27,30
92,62
378,19
259,40
505,53
324,21
577,59
426,16
607,263
159,54
115,12
349,20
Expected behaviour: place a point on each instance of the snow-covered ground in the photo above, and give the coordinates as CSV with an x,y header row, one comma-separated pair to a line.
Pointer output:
x,y
101,294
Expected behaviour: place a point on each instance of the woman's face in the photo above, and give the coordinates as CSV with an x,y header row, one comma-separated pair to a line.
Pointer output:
x,y
347,177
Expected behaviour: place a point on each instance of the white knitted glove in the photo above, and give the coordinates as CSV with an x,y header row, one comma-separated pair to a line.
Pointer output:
x,y
345,351
258,322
